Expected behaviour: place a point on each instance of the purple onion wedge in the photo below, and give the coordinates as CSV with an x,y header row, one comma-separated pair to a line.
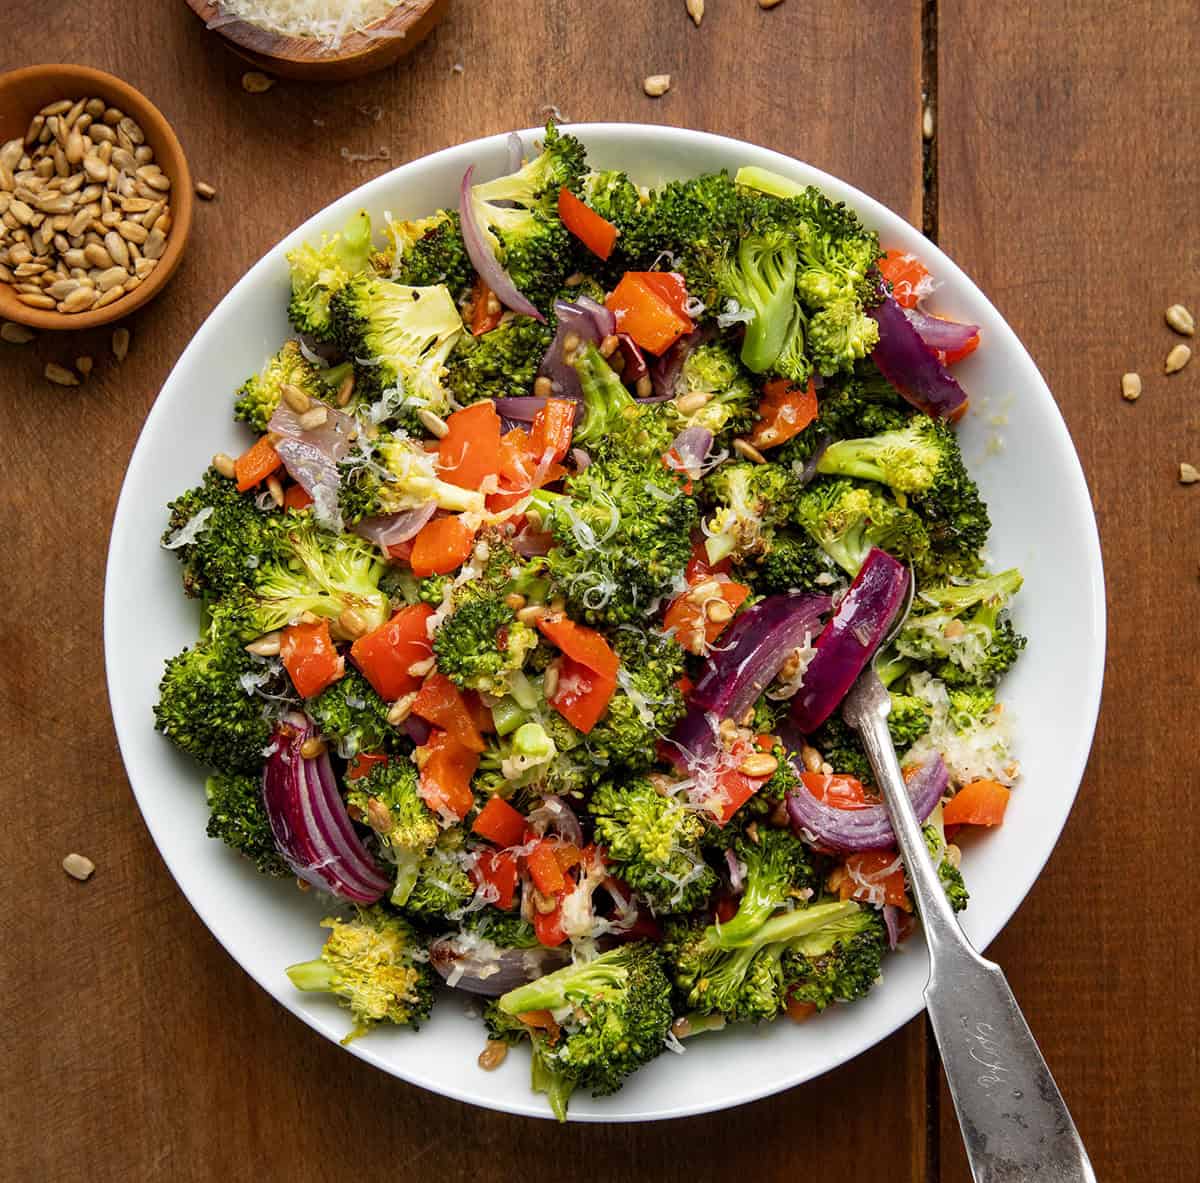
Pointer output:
x,y
911,366
309,820
945,335
868,827
850,639
467,961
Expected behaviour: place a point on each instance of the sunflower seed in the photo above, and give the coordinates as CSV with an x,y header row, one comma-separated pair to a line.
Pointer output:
x,y
16,334
132,130
120,343
1177,359
35,300
1131,387
57,108
143,267
78,866
1189,474
100,133
74,147
115,245
82,298
656,85
155,244
205,190
1181,320
35,130
254,82
110,297
84,365
111,278
695,9
60,375
62,289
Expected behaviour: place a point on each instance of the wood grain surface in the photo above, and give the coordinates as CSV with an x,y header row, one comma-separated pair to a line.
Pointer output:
x,y
1067,189
134,1048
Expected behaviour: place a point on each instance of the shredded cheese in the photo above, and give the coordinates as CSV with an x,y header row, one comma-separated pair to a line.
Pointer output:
x,y
326,21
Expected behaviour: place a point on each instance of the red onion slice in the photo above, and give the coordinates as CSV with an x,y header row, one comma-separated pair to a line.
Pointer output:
x,y
891,921
473,964
666,370
587,321
869,827
944,335
519,410
911,366
850,639
634,369
395,528
691,446
482,259
334,438
555,816
309,820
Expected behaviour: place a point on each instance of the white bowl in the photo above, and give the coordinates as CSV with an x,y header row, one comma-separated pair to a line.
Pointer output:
x,y
1019,449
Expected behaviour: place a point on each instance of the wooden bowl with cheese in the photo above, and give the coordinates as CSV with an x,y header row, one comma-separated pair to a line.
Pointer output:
x,y
321,40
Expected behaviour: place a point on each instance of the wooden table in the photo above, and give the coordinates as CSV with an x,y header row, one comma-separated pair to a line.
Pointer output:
x,y
1063,178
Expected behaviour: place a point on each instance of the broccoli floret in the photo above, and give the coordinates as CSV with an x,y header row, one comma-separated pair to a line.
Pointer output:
x,y
393,473
837,963
615,424
239,819
432,589
313,571
747,502
760,277
840,335
792,562
499,364
518,214
840,747
399,338
778,870
481,645
908,720
442,884
377,967
506,930
653,841
319,272
219,535
429,252
921,460
713,368
207,706
846,520
622,534
526,759
745,983
351,715
950,875
647,703
966,637
618,1014
258,397
619,201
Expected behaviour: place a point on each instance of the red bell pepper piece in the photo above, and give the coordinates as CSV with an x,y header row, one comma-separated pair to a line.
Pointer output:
x,y
384,656
310,658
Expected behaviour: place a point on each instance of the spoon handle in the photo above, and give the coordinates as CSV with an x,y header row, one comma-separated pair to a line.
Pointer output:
x,y
1015,1123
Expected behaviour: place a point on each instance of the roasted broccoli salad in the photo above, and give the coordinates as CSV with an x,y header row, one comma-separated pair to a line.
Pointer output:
x,y
568,517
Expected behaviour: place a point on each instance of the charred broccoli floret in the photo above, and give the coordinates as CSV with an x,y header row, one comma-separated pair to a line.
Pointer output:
x,y
238,817
258,397
351,715
499,364
318,272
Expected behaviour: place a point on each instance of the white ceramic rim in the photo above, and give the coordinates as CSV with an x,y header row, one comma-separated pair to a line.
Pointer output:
x,y
677,145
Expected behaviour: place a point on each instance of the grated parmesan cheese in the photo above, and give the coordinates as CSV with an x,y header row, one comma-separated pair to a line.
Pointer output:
x,y
326,21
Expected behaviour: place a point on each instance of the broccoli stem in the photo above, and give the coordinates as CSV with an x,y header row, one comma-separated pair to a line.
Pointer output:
x,y
316,975
787,927
508,715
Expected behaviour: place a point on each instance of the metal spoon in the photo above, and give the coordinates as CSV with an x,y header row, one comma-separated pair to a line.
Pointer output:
x,y
1015,1123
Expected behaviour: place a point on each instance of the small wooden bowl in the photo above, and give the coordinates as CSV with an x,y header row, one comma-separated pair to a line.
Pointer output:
x,y
22,94
408,24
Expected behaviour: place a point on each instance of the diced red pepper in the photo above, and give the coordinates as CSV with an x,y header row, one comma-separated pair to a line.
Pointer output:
x,y
980,803
580,643
441,703
642,304
544,870
548,927
255,464
442,546
470,450
582,695
384,656
693,628
598,234
785,410
842,792
446,771
499,869
500,823
553,429
309,656
296,498
486,310
907,275
865,877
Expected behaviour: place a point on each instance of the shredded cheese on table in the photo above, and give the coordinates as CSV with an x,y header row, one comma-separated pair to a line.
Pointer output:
x,y
326,21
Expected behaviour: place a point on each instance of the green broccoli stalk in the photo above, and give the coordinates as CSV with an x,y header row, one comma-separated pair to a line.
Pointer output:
x,y
747,501
617,1015
922,461
761,279
388,800
351,715
966,638
207,706
622,538
399,338
745,983
377,967
219,535
846,520
614,423
653,842
429,252
258,397
238,818
313,571
319,272
481,645
396,473
837,963
778,870
647,704
499,364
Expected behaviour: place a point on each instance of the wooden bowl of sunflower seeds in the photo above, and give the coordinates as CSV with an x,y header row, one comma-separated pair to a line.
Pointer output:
x,y
95,198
